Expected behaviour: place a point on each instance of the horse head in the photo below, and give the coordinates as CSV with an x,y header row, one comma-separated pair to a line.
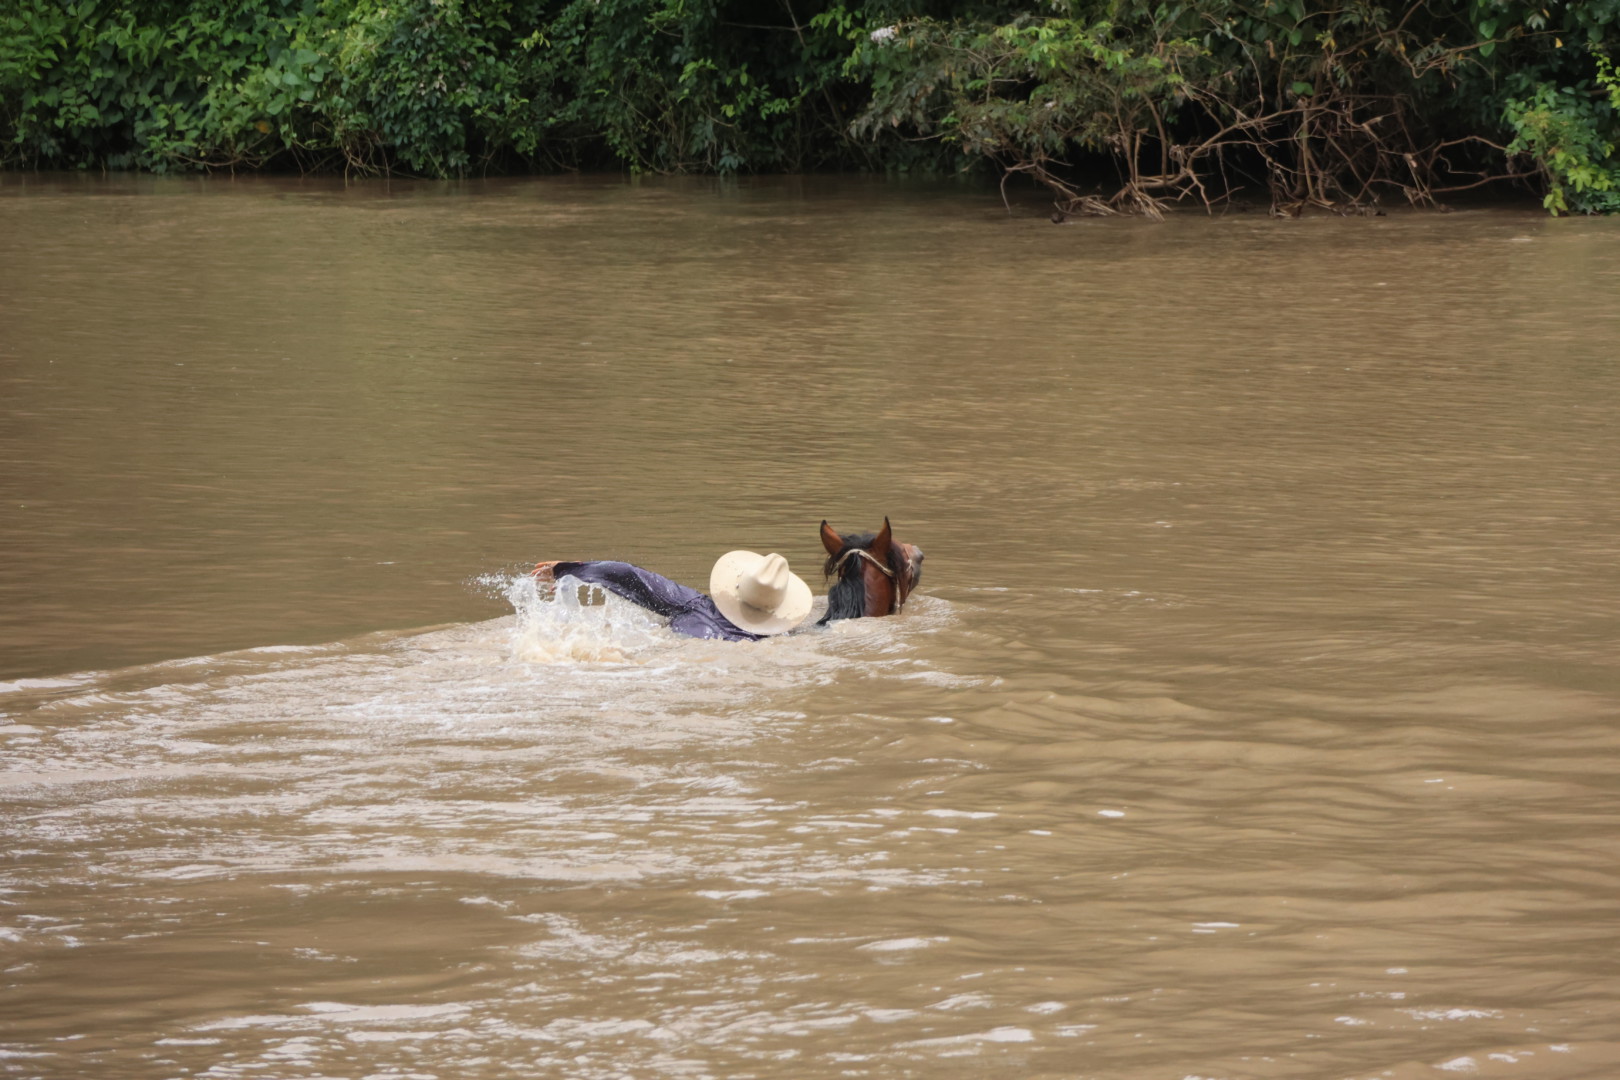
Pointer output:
x,y
874,571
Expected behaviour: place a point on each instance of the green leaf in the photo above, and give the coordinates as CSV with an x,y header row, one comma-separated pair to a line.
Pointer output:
x,y
1303,89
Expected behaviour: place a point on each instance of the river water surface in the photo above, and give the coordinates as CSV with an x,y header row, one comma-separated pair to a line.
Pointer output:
x,y
1257,716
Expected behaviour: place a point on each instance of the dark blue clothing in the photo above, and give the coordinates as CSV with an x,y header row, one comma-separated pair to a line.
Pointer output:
x,y
690,612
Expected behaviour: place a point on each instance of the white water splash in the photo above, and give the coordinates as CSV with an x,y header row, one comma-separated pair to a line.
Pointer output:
x,y
573,622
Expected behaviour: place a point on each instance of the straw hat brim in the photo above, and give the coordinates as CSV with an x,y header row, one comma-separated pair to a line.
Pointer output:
x,y
724,582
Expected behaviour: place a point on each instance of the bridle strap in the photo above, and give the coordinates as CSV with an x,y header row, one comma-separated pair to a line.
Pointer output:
x,y
875,561
863,553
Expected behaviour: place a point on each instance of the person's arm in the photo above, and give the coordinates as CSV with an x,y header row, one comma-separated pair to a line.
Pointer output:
x,y
639,586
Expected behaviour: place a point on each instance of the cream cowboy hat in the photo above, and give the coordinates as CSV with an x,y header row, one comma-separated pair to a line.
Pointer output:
x,y
759,593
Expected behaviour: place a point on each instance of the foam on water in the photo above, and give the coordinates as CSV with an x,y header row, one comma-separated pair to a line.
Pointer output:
x,y
529,746
505,777
579,624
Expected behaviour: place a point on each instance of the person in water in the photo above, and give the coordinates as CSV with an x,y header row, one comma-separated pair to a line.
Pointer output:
x,y
753,596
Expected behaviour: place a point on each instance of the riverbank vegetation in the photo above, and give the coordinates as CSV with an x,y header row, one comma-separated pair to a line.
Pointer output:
x,y
1345,106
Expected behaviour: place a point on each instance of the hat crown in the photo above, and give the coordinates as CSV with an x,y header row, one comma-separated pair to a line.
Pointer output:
x,y
766,585
759,593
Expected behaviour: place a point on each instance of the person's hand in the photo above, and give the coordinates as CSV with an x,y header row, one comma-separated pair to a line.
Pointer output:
x,y
545,571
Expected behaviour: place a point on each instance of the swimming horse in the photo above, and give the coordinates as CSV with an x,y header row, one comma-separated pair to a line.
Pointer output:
x,y
875,573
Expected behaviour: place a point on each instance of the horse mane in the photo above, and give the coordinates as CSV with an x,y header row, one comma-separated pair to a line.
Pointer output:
x,y
846,599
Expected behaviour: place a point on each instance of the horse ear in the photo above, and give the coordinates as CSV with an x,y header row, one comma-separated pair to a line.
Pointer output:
x,y
885,536
831,540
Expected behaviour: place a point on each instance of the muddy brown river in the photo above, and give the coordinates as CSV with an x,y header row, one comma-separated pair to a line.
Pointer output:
x,y
1258,716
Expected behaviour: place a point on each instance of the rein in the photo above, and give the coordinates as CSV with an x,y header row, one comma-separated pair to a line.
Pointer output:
x,y
867,555
875,561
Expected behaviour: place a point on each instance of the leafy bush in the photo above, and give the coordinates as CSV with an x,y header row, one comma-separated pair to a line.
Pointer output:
x,y
1027,93
1570,133
437,87
1337,105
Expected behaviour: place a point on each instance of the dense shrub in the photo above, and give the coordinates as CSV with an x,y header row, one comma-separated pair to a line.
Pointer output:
x,y
438,87
1337,106
1340,105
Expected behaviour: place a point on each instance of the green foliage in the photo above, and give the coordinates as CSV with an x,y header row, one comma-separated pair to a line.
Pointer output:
x,y
1570,132
1332,104
436,87
1048,84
